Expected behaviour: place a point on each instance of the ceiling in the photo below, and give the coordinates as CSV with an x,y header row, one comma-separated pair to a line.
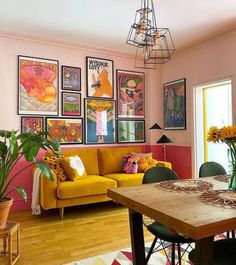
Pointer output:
x,y
105,23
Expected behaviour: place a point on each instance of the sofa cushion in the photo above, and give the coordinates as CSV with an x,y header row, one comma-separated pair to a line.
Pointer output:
x,y
54,162
125,180
110,159
73,167
88,156
85,186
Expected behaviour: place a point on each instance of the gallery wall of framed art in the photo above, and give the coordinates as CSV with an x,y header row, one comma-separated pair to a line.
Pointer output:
x,y
99,117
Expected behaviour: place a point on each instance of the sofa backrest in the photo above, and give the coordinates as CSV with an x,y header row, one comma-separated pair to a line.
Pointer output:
x,y
110,159
88,156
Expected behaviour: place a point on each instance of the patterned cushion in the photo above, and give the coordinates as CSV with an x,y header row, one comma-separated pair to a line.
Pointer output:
x,y
54,163
130,164
73,167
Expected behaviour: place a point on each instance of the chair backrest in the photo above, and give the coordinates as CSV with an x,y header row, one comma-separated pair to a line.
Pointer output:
x,y
211,168
158,174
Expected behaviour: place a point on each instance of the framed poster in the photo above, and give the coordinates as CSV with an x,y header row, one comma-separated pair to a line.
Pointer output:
x,y
37,86
99,74
32,124
130,94
65,130
99,121
130,131
71,78
174,102
71,104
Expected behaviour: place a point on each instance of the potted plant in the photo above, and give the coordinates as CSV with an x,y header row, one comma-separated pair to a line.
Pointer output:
x,y
14,147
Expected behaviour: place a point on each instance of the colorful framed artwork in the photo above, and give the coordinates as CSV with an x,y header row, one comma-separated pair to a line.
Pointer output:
x,y
71,78
99,78
32,124
130,131
65,130
71,104
174,102
99,121
130,94
37,86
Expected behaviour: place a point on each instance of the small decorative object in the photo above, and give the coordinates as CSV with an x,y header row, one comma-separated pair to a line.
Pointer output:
x,y
71,104
130,94
71,78
174,101
99,78
31,124
37,86
99,121
131,131
227,135
13,147
65,130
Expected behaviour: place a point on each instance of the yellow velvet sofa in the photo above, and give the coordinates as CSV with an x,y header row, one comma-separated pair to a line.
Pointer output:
x,y
104,171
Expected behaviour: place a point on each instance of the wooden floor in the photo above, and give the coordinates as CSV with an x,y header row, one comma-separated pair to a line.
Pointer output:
x,y
86,231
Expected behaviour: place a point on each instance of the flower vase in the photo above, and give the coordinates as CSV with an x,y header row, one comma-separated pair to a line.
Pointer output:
x,y
232,181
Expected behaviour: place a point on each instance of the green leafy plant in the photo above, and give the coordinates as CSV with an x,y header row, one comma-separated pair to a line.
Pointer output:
x,y
13,147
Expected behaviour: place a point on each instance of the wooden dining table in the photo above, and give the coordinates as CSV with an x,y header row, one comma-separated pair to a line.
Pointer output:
x,y
181,211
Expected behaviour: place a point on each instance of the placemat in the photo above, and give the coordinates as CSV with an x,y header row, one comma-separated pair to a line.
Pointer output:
x,y
226,198
189,185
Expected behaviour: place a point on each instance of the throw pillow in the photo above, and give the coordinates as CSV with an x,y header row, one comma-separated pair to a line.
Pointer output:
x,y
146,163
130,164
74,167
55,165
143,161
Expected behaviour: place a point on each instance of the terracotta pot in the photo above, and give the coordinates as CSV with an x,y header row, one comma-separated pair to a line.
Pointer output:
x,y
4,211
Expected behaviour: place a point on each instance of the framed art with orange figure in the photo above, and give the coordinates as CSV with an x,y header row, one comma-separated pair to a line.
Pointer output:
x,y
65,130
37,86
99,78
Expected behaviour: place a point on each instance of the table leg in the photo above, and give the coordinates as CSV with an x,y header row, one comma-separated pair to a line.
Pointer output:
x,y
203,254
137,239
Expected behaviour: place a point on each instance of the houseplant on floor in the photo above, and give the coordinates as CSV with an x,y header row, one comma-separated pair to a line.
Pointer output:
x,y
14,147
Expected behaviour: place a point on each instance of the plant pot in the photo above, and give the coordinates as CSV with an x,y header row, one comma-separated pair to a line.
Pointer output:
x,y
4,211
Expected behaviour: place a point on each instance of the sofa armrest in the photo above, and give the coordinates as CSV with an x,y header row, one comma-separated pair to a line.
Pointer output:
x,y
48,191
164,164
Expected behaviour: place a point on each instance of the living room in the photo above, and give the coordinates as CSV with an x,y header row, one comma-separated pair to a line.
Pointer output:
x,y
204,35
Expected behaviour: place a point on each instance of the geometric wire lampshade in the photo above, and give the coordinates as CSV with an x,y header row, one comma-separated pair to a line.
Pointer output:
x,y
153,45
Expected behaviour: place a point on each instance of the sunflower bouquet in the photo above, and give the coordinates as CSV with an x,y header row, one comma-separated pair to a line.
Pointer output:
x,y
227,135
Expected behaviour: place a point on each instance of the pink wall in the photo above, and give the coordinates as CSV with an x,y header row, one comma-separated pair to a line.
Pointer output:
x,y
210,61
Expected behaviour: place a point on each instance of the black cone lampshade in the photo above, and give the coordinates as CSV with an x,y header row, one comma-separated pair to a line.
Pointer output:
x,y
164,140
155,126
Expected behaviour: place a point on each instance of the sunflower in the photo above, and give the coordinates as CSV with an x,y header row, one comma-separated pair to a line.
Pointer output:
x,y
213,134
228,132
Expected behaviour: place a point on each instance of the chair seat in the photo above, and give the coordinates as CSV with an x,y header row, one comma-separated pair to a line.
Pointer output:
x,y
223,252
162,232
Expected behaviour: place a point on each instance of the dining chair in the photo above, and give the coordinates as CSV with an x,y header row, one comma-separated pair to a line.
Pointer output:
x,y
166,237
223,252
212,168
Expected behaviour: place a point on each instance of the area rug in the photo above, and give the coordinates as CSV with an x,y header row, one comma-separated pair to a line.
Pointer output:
x,y
124,257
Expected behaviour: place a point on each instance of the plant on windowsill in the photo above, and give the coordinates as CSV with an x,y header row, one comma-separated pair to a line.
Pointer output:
x,y
227,135
14,147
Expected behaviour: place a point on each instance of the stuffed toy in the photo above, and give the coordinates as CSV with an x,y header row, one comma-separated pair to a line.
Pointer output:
x,y
147,162
130,164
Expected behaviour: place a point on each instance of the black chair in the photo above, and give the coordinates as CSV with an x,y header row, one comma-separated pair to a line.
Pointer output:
x,y
161,232
212,168
223,252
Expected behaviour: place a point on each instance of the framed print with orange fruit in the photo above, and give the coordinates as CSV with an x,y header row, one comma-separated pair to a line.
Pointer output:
x,y
99,78
37,86
65,130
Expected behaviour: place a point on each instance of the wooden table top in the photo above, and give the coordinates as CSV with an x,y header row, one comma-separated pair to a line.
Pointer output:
x,y
181,211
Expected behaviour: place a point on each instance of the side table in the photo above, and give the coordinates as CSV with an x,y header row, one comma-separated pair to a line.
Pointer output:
x,y
7,234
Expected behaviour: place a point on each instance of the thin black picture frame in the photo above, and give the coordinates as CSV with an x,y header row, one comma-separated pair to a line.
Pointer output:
x,y
73,84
